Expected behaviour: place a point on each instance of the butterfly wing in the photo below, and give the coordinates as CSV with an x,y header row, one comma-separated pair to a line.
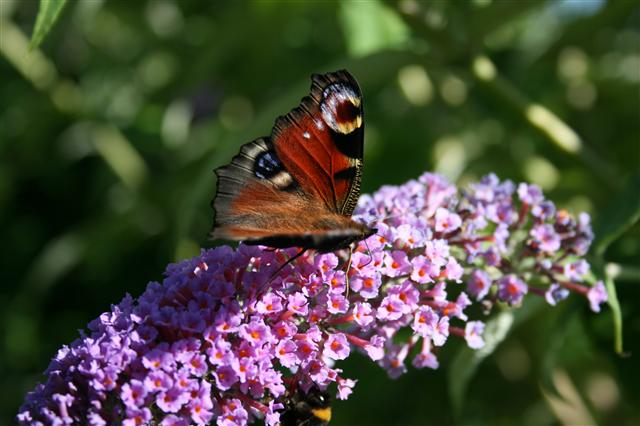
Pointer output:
x,y
299,187
321,141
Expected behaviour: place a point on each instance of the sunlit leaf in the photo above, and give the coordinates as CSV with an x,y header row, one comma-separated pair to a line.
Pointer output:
x,y
48,14
370,27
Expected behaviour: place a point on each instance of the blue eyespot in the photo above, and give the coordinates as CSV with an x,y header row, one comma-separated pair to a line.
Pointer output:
x,y
267,165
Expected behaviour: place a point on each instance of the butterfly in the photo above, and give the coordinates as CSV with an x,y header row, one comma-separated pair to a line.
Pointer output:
x,y
299,187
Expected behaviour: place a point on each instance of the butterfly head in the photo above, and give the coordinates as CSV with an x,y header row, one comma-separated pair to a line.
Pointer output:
x,y
369,232
341,108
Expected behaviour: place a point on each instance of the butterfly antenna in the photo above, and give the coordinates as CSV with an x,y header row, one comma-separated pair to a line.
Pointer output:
x,y
291,259
393,215
368,252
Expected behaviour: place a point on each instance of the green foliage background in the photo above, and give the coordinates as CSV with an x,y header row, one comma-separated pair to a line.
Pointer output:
x,y
110,129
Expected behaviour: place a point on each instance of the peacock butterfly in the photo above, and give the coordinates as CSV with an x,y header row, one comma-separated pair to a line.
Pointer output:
x,y
298,188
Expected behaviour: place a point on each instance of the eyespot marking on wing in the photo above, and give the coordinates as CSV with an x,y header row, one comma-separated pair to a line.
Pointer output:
x,y
267,165
341,108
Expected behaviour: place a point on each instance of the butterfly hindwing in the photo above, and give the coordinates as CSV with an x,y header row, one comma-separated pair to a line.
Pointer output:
x,y
251,190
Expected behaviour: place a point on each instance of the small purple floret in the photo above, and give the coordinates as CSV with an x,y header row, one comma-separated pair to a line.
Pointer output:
x,y
473,334
511,289
597,295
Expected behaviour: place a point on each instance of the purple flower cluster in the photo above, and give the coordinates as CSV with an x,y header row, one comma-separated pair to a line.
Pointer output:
x,y
229,336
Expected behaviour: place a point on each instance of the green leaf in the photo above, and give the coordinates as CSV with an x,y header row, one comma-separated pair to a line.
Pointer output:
x,y
370,27
467,360
47,16
620,215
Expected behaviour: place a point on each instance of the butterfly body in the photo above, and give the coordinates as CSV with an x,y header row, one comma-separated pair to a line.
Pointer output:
x,y
299,186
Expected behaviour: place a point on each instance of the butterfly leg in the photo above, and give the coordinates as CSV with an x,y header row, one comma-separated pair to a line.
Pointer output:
x,y
291,259
346,271
264,287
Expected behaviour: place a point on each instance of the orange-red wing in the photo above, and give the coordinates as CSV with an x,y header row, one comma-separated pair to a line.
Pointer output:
x,y
320,142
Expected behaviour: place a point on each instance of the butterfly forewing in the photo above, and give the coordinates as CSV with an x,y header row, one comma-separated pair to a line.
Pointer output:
x,y
321,141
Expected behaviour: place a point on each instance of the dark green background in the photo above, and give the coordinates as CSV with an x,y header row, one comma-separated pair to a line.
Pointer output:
x,y
109,133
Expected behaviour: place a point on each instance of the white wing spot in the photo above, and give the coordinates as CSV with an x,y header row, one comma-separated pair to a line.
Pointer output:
x,y
282,179
306,135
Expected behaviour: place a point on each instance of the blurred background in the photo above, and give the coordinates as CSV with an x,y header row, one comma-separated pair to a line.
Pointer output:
x,y
110,130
